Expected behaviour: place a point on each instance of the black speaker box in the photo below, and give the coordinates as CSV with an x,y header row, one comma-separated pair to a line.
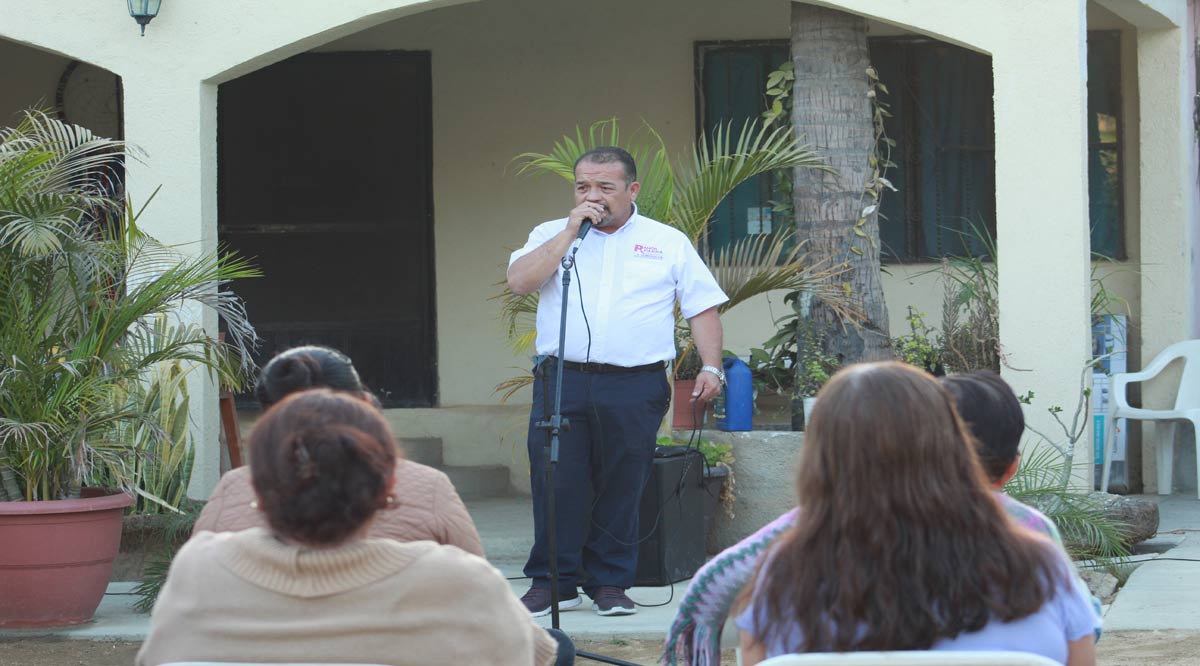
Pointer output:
x,y
671,518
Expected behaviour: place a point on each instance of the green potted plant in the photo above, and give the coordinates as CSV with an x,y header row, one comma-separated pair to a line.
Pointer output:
x,y
812,376
814,366
773,366
921,347
89,306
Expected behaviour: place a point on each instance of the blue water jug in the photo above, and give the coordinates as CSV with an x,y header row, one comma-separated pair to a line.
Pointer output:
x,y
735,405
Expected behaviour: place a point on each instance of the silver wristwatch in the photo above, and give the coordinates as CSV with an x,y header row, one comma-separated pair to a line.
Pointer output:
x,y
716,371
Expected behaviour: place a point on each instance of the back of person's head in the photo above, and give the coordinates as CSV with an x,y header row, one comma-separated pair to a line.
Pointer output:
x,y
891,428
991,410
898,542
321,463
301,368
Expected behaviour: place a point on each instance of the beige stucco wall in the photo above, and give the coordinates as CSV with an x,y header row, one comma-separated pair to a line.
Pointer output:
x,y
498,67
483,208
170,77
1166,57
1192,195
506,80
510,76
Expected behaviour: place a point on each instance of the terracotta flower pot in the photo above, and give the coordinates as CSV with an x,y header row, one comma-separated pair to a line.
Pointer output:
x,y
56,558
686,414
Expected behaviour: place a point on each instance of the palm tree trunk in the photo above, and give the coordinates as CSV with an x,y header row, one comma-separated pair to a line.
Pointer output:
x,y
833,113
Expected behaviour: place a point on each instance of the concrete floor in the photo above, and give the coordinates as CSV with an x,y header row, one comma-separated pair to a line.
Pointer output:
x,y
1161,593
1164,593
506,528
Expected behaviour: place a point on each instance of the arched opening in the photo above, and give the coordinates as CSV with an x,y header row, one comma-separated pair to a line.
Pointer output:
x,y
323,176
77,92
71,90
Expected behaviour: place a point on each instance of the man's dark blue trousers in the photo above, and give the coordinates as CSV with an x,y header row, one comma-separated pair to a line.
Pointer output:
x,y
604,462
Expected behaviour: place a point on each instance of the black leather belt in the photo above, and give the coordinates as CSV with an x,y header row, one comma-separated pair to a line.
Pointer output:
x,y
605,368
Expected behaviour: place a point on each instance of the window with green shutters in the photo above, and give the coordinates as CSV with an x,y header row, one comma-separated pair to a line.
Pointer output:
x,y
732,88
1105,128
940,98
945,175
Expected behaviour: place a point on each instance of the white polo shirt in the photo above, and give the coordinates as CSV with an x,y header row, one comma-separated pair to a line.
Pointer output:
x,y
630,281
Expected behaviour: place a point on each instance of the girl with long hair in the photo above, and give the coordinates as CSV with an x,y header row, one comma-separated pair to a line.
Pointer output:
x,y
899,544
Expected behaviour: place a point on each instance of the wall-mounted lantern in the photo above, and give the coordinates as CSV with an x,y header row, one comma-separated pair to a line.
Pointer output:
x,y
144,10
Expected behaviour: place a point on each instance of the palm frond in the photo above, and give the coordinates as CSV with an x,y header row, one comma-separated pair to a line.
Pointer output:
x,y
87,311
567,149
762,263
518,312
647,148
656,198
52,176
720,164
509,387
1087,530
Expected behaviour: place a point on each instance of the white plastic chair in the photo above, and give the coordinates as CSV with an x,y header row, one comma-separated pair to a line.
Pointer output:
x,y
911,658
1187,408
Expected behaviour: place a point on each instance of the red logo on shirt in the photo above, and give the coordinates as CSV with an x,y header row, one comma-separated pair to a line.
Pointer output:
x,y
647,252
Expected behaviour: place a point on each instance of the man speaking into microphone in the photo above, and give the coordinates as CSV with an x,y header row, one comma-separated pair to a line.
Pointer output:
x,y
629,271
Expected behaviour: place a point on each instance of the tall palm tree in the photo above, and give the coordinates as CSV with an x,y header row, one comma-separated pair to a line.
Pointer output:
x,y
836,208
685,196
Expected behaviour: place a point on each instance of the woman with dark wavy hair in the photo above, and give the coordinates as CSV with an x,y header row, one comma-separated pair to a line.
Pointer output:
x,y
313,586
900,545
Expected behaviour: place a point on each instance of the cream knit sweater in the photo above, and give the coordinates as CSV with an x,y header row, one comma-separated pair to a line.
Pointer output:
x,y
248,596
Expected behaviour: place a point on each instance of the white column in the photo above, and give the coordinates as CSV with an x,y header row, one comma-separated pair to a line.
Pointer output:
x,y
1168,213
1042,219
173,120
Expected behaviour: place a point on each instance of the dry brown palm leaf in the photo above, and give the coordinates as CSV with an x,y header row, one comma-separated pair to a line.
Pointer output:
x,y
764,263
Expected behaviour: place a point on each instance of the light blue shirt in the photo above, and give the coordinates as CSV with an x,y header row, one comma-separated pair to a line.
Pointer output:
x,y
1067,617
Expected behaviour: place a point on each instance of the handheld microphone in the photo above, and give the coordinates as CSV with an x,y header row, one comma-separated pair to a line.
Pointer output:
x,y
568,261
583,231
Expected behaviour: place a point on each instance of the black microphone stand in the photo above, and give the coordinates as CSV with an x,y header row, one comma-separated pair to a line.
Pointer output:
x,y
553,427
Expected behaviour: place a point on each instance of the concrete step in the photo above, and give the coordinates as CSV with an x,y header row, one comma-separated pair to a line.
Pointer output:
x,y
479,481
424,450
506,528
471,482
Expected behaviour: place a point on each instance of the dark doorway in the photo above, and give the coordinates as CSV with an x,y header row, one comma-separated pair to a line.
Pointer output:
x,y
324,170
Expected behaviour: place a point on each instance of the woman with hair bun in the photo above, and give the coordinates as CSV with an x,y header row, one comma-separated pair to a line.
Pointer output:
x,y
313,586
427,505
310,366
